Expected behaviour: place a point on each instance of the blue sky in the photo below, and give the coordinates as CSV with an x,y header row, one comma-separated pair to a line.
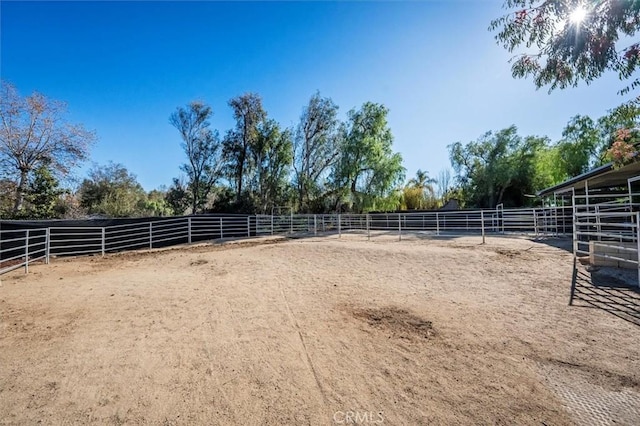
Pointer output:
x,y
123,67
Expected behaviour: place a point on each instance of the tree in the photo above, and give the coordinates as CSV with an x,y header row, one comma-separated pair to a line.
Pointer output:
x,y
443,184
423,182
316,148
34,132
272,155
368,170
248,113
156,203
203,149
567,41
550,168
497,168
7,195
586,142
419,192
178,196
625,116
578,149
113,191
42,195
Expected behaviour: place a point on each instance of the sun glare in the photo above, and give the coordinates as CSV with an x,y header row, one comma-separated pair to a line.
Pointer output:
x,y
578,15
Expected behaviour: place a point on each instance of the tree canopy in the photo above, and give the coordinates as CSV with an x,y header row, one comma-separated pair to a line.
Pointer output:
x,y
497,168
35,133
203,149
322,164
562,42
367,170
316,149
113,191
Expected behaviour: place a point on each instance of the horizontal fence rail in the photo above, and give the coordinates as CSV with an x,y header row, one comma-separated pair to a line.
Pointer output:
x,y
19,247
607,238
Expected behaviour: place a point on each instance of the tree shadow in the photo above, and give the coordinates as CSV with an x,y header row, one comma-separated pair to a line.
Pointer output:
x,y
609,289
561,242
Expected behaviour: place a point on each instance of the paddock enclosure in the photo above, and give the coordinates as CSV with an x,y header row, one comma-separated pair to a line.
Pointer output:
x,y
331,329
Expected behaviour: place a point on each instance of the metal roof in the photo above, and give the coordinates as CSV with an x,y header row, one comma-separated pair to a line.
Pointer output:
x,y
600,177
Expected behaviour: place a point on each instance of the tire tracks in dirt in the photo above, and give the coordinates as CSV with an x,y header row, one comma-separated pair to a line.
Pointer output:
x,y
310,365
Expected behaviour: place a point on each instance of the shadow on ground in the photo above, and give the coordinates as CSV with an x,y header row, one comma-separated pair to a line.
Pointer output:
x,y
609,289
562,243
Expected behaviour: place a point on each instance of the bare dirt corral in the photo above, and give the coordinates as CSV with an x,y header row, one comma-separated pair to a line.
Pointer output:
x,y
315,331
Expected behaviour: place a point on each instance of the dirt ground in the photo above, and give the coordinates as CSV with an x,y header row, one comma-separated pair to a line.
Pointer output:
x,y
317,331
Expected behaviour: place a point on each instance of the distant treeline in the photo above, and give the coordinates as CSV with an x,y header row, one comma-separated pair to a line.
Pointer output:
x,y
322,164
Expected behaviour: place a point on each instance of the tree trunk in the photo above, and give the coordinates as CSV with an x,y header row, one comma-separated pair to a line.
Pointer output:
x,y
194,196
20,190
354,199
501,195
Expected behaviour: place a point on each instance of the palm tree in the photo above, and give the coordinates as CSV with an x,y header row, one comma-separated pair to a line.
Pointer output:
x,y
424,184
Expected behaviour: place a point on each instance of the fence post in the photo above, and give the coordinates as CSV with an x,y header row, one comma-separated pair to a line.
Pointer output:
x,y
339,226
150,235
103,241
638,243
535,222
315,224
47,239
482,224
221,231
26,253
368,227
248,226
271,223
189,230
437,224
399,227
291,222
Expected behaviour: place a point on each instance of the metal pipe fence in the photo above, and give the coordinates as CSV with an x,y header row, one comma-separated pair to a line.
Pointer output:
x,y
20,247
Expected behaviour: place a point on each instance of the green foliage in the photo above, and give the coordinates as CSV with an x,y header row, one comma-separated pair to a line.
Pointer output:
x,y
7,198
156,204
367,170
549,168
419,193
112,191
625,116
505,167
316,149
239,142
579,146
178,197
560,51
497,168
42,195
271,157
203,149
